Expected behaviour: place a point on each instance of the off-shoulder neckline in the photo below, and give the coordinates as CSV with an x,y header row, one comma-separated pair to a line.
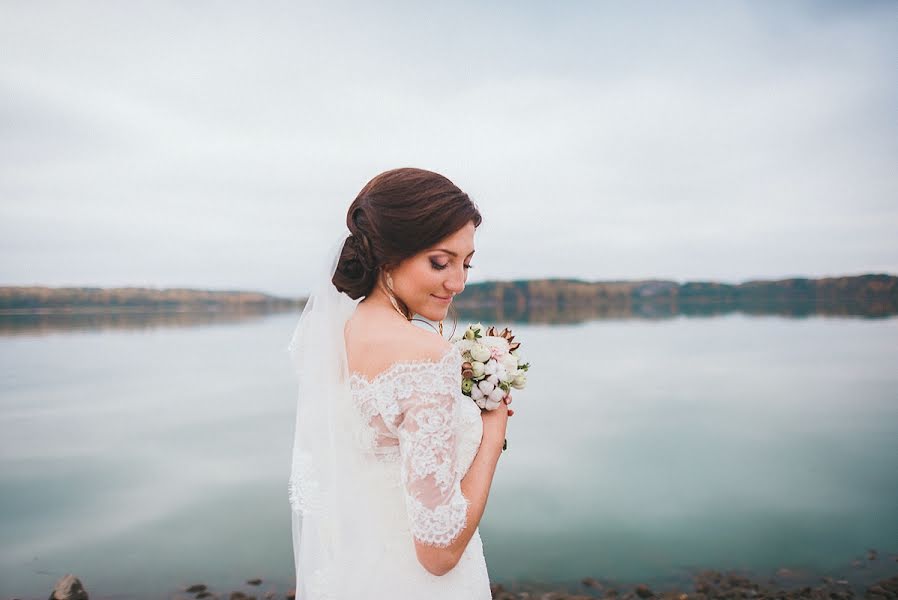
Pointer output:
x,y
356,376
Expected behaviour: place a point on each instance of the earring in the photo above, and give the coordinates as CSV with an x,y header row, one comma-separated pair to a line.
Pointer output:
x,y
389,291
441,328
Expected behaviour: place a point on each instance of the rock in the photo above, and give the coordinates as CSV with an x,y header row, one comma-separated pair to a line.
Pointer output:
x,y
68,587
496,589
643,591
204,594
255,581
871,554
591,582
197,587
890,584
886,588
784,572
237,596
291,595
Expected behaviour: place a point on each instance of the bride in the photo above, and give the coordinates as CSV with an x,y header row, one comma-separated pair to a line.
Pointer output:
x,y
392,464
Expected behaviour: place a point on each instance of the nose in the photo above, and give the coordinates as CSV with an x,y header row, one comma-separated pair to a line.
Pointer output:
x,y
455,283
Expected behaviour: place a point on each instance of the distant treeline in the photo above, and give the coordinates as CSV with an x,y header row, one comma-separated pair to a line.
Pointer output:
x,y
78,299
529,300
559,300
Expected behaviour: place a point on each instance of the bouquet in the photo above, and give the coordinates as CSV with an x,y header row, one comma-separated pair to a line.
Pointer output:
x,y
492,365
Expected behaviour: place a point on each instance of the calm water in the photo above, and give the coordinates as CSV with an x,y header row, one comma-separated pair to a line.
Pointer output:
x,y
145,459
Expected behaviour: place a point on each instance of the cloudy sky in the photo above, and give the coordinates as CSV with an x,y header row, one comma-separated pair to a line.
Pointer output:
x,y
219,144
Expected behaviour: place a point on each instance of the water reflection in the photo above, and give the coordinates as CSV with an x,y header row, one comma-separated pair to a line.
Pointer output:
x,y
54,322
560,314
554,314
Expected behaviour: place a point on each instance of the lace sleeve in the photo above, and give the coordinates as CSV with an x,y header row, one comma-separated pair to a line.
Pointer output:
x,y
427,433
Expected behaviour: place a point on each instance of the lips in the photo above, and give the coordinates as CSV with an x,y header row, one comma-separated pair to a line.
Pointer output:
x,y
442,299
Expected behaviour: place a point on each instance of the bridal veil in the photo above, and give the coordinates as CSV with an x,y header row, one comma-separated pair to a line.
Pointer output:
x,y
324,472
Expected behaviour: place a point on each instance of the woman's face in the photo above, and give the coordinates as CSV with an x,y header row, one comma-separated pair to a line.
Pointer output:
x,y
427,281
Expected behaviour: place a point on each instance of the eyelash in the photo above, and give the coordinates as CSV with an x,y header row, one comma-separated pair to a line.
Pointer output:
x,y
440,267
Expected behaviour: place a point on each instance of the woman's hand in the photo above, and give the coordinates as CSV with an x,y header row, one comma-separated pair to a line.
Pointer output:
x,y
495,422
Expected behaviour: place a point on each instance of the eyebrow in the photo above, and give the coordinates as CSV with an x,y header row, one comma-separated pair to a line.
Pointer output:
x,y
450,251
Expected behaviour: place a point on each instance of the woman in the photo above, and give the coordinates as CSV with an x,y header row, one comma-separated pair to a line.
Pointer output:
x,y
392,464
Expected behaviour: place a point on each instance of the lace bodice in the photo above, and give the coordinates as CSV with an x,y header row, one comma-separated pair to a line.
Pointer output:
x,y
416,417
406,439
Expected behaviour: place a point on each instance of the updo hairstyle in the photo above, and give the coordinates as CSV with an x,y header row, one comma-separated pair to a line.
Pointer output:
x,y
396,215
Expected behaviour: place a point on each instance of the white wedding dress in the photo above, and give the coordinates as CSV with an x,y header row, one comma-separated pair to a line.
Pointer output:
x,y
415,435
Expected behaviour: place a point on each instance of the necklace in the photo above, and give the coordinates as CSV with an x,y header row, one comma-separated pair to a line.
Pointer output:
x,y
389,292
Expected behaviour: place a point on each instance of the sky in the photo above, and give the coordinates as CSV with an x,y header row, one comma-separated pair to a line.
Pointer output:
x,y
218,145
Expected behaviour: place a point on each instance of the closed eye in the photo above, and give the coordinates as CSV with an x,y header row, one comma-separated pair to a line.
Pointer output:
x,y
440,267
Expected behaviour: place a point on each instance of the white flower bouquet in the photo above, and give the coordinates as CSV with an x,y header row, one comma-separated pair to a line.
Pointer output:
x,y
492,365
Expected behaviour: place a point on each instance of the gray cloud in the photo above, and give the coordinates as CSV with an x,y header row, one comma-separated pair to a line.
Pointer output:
x,y
219,144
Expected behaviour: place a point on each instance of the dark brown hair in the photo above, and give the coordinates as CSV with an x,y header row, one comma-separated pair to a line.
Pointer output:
x,y
396,215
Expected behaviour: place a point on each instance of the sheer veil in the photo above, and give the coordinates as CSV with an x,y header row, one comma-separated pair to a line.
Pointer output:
x,y
325,472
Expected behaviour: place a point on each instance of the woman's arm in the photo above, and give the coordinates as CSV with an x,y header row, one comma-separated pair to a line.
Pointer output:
x,y
475,487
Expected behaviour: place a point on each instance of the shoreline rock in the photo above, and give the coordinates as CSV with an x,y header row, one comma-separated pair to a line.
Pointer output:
x,y
707,584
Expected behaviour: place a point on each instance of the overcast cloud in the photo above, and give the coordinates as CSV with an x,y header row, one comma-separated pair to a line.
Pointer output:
x,y
219,144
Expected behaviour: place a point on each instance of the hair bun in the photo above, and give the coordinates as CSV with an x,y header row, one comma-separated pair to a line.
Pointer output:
x,y
362,251
355,271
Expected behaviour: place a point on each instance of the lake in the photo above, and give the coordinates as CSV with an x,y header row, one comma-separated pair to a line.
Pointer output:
x,y
148,456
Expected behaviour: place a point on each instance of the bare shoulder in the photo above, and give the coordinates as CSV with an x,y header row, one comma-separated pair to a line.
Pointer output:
x,y
424,345
370,352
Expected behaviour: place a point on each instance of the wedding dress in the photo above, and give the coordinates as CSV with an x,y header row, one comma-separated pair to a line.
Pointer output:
x,y
378,463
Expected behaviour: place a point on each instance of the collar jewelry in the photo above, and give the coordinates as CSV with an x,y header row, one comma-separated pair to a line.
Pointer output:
x,y
388,289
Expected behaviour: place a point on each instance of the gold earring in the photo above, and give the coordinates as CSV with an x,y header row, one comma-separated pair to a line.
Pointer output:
x,y
441,328
389,291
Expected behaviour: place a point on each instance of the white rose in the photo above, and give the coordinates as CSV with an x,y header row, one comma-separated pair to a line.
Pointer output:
x,y
480,353
494,341
485,386
520,381
510,363
477,367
